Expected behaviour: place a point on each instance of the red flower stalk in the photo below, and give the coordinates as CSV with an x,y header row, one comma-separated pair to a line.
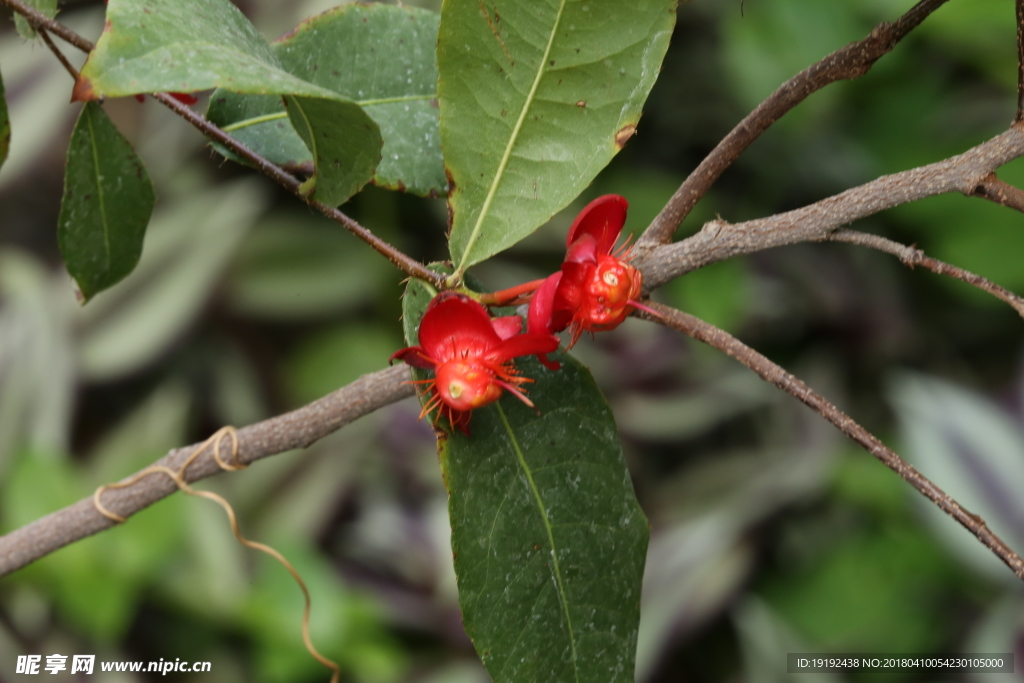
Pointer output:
x,y
471,356
595,289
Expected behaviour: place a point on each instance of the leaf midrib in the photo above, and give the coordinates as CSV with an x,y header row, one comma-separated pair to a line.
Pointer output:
x,y
256,120
551,537
99,186
492,190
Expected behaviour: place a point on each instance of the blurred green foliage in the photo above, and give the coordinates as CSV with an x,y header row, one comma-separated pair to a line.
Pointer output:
x,y
769,533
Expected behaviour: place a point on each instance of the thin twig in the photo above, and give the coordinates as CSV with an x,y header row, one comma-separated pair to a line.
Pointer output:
x,y
998,191
915,257
39,20
774,374
297,429
849,62
719,239
408,265
57,53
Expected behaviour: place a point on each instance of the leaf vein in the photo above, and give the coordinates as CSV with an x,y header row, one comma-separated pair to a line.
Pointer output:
x,y
547,526
492,190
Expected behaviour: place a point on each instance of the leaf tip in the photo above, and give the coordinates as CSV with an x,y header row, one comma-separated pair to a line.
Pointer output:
x,y
83,90
80,296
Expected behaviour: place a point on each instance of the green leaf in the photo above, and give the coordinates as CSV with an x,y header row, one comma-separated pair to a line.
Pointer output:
x,y
548,538
5,126
107,202
46,7
380,56
260,122
345,149
534,103
190,45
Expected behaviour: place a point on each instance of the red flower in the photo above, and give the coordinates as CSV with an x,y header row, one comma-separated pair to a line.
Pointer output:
x,y
595,290
471,356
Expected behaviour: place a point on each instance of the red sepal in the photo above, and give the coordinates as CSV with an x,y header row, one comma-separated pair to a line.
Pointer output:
x,y
603,219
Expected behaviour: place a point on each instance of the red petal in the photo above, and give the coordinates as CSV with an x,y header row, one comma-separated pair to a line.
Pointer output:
x,y
602,218
583,250
526,344
538,319
455,324
507,326
571,293
414,356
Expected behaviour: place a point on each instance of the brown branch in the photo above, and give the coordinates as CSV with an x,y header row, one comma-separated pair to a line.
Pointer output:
x,y
297,429
774,374
994,189
1020,61
848,62
406,264
41,21
915,257
58,54
969,173
719,240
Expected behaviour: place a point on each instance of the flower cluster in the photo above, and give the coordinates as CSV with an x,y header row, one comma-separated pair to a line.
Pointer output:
x,y
471,353
471,356
595,289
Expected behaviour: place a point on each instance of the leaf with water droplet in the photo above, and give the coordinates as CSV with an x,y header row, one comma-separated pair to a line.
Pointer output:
x,y
380,56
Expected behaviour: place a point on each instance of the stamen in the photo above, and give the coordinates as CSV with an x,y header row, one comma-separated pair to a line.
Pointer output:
x,y
430,405
515,392
645,309
623,252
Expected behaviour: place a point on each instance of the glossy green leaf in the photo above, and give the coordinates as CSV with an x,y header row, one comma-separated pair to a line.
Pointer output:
x,y
535,101
260,122
191,45
107,202
548,538
380,56
5,126
47,7
345,149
